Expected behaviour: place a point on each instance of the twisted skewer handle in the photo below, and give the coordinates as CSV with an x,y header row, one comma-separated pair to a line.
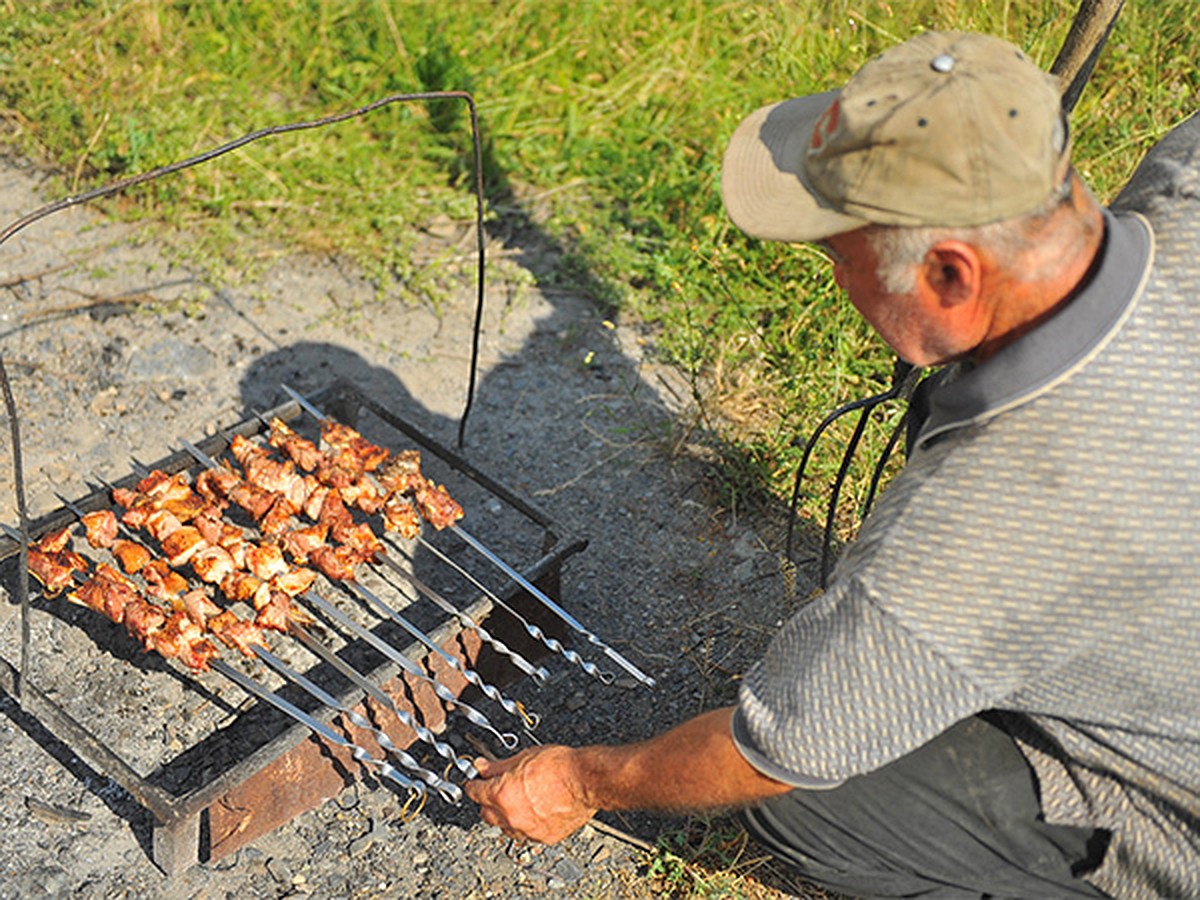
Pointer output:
x,y
537,673
571,621
533,630
473,677
449,791
406,718
386,769
474,716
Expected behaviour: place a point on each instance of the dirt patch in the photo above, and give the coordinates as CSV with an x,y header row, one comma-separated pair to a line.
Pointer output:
x,y
115,353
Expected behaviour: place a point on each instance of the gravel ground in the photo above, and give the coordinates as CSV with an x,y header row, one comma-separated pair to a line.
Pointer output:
x,y
115,352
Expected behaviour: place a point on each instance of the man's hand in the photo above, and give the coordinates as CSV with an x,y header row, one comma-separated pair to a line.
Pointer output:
x,y
535,795
546,793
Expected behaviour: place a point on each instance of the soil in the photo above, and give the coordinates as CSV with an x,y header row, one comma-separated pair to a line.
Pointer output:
x,y
116,351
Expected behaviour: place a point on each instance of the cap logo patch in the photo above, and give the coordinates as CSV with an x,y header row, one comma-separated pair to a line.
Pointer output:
x,y
825,127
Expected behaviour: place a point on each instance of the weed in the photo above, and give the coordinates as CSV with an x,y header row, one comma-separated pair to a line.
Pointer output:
x,y
714,857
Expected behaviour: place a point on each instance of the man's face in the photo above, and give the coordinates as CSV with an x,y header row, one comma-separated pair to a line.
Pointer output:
x,y
910,327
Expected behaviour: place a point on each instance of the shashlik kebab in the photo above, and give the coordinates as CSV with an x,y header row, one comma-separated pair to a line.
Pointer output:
x,y
399,476
342,523
102,529
483,550
181,635
172,633
158,493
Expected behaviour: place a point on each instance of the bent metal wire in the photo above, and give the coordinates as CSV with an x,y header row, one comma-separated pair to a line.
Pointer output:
x,y
905,377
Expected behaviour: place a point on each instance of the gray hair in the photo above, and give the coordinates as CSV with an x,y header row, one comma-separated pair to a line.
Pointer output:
x,y
901,250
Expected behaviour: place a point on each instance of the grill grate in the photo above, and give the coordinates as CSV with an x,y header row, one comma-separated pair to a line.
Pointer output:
x,y
216,770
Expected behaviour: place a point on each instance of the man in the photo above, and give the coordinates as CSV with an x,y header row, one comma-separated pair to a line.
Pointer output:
x,y
999,693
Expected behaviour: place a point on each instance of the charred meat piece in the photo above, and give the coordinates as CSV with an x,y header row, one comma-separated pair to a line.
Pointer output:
x,y
131,555
182,544
161,524
295,581
365,495
54,541
142,619
401,516
344,438
163,582
107,592
212,564
253,499
275,613
55,570
243,587
402,473
436,505
199,607
215,484
336,563
300,542
340,469
303,452
278,518
266,561
101,528
182,639
236,633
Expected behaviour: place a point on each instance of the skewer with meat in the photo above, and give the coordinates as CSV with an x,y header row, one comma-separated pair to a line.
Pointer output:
x,y
174,635
398,475
344,438
178,633
53,563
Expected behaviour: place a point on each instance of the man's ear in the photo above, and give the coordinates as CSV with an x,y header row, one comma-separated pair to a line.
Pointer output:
x,y
951,274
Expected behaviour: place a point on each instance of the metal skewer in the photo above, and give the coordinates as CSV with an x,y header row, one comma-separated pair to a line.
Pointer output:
x,y
509,705
509,740
386,769
512,573
376,693
449,791
537,673
571,621
534,630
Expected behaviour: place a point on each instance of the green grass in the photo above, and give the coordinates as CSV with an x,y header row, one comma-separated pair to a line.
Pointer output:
x,y
612,114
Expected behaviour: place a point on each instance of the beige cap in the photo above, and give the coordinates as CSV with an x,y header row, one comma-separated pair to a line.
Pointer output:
x,y
945,129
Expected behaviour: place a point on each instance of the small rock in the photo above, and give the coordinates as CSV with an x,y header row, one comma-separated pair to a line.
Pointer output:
x,y
568,870
279,870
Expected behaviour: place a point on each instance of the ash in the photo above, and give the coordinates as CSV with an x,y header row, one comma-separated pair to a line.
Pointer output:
x,y
115,352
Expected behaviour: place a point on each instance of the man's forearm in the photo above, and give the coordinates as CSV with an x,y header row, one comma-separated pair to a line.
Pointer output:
x,y
546,793
693,766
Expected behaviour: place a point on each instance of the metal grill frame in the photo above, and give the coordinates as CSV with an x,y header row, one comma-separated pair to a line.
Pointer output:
x,y
294,771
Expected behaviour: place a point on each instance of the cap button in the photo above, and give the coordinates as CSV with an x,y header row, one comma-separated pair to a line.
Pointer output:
x,y
943,62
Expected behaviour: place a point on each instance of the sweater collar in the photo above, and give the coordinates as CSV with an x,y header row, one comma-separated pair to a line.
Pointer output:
x,y
1049,354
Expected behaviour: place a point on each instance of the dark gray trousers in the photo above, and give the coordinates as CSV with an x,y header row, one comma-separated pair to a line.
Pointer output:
x,y
957,818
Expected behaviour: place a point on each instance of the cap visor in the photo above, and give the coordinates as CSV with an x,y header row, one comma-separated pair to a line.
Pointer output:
x,y
762,175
